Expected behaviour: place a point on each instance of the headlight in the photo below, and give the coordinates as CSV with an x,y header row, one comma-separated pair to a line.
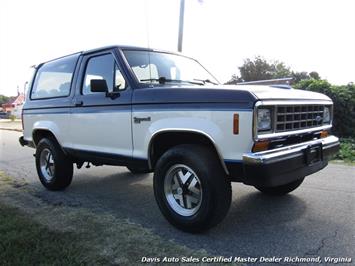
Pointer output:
x,y
264,119
326,115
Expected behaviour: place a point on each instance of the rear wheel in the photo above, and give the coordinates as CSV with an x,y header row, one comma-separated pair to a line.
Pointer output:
x,y
281,190
54,169
191,188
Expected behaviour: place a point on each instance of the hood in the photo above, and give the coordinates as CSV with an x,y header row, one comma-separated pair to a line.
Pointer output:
x,y
273,93
243,96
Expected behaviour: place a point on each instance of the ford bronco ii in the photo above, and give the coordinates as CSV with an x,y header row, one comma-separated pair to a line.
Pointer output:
x,y
162,112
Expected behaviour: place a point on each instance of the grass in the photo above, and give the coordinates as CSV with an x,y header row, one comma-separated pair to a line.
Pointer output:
x,y
25,242
35,232
347,150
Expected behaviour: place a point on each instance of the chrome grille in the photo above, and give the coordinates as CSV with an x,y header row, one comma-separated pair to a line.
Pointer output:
x,y
295,117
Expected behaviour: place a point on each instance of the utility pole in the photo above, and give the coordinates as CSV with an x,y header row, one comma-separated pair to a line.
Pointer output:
x,y
181,24
24,88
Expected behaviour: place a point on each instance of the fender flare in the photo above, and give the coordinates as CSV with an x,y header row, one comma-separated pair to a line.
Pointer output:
x,y
194,131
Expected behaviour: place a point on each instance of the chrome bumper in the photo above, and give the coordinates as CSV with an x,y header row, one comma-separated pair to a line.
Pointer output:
x,y
329,147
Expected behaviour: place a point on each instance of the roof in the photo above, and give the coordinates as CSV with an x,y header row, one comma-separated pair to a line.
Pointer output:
x,y
123,47
127,47
116,46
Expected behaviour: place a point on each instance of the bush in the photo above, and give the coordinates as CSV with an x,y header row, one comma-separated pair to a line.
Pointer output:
x,y
344,103
347,150
12,117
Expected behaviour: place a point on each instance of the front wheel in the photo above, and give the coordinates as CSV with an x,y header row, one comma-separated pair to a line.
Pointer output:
x,y
281,190
54,169
191,188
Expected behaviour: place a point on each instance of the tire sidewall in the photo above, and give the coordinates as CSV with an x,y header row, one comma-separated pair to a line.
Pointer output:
x,y
183,156
63,169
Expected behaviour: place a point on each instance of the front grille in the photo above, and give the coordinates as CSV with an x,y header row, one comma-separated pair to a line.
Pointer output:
x,y
295,117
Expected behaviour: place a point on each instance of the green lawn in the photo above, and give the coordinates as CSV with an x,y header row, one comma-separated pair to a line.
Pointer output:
x,y
34,232
24,242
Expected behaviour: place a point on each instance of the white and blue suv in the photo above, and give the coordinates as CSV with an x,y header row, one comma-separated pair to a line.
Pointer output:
x,y
162,112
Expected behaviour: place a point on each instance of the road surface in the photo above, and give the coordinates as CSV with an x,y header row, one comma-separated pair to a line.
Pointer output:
x,y
318,219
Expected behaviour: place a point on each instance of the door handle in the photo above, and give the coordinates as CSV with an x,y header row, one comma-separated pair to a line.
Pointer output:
x,y
79,103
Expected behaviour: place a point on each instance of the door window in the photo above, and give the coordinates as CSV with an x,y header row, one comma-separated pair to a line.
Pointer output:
x,y
103,67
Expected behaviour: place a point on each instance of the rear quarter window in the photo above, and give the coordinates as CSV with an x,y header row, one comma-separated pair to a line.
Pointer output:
x,y
53,79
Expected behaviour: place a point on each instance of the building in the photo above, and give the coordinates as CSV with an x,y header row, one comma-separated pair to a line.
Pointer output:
x,y
14,105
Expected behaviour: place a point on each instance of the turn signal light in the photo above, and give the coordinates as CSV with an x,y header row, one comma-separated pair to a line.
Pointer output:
x,y
323,134
236,124
261,146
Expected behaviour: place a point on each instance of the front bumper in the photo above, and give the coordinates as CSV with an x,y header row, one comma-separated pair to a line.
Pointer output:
x,y
283,165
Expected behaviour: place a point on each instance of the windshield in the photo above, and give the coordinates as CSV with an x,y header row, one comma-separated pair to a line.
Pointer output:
x,y
160,68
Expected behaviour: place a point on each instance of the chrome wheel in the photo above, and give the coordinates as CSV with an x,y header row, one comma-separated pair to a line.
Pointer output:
x,y
183,190
47,164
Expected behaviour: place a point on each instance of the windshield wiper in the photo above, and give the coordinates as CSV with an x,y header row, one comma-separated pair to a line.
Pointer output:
x,y
206,81
163,80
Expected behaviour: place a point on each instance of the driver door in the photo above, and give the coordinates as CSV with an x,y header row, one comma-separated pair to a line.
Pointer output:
x,y
100,125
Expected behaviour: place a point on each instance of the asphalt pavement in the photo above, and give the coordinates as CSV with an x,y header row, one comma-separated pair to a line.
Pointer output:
x,y
317,219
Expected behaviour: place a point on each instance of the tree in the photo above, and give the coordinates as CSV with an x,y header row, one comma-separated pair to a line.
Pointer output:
x,y
234,80
260,69
314,75
3,99
257,69
298,76
280,70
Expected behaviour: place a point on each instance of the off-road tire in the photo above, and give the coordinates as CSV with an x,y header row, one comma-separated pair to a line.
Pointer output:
x,y
215,187
63,166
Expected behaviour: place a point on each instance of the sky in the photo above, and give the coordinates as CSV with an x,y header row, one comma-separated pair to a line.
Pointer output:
x,y
308,35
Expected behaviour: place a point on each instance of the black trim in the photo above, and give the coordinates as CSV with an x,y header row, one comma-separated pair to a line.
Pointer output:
x,y
124,107
280,172
165,95
235,169
190,106
24,142
106,158
54,110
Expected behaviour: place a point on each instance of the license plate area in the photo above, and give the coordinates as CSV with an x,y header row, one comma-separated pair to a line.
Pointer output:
x,y
313,153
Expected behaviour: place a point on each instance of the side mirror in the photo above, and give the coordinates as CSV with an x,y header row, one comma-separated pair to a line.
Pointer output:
x,y
98,85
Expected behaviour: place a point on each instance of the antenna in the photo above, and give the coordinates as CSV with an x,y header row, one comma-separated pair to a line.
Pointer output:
x,y
148,39
181,24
